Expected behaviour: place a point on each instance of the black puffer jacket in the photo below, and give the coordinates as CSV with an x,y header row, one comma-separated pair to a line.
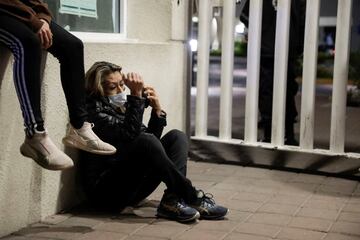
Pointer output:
x,y
118,129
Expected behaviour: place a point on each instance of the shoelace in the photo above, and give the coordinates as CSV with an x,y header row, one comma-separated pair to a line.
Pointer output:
x,y
207,198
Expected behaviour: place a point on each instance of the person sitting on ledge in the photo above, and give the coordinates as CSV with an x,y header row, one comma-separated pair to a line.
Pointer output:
x,y
144,158
26,30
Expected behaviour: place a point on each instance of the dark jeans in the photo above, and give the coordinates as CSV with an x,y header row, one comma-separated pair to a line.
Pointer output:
x,y
26,48
266,96
143,164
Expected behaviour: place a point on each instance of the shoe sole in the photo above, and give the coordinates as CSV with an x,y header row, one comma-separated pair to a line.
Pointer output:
x,y
191,219
28,151
73,144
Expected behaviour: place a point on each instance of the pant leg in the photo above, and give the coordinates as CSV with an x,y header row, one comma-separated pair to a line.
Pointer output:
x,y
143,164
26,48
175,144
266,94
69,50
291,111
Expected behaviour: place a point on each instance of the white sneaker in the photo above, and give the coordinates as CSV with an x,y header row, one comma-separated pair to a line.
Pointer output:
x,y
85,139
44,152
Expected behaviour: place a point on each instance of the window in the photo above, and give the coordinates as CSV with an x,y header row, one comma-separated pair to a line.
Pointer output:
x,y
97,16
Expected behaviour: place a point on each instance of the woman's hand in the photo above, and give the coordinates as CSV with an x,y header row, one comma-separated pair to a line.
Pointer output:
x,y
45,35
135,83
153,98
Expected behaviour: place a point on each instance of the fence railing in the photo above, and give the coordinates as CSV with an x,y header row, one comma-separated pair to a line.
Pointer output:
x,y
341,65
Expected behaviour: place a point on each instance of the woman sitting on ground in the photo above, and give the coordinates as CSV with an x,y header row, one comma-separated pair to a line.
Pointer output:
x,y
145,159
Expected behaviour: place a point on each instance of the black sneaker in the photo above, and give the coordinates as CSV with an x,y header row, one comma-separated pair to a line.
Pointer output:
x,y
207,207
171,207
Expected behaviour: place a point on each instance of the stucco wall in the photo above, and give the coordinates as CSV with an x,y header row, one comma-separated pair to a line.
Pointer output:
x,y
29,193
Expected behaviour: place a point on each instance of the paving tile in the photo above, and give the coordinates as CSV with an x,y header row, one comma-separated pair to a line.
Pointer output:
x,y
231,186
324,204
58,232
123,226
135,237
165,222
82,221
252,172
258,229
207,177
245,206
344,190
288,199
242,236
238,216
12,237
336,236
307,178
330,197
354,200
278,208
220,226
318,213
269,218
263,190
255,197
222,170
96,235
349,217
217,193
346,228
204,185
298,189
334,181
160,231
355,208
310,223
201,234
299,234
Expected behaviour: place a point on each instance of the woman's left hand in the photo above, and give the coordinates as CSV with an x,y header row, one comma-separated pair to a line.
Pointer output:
x,y
153,99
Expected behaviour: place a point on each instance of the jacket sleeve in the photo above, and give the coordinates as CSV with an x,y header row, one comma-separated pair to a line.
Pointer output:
x,y
41,9
156,124
31,14
112,128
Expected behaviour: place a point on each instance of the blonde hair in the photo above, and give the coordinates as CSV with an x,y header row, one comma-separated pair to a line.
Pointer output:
x,y
96,75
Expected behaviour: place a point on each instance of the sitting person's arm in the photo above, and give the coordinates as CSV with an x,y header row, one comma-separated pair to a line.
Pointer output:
x,y
157,120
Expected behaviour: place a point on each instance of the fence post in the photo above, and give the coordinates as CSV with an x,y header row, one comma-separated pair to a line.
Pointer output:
x,y
227,67
253,67
280,71
309,75
203,69
341,67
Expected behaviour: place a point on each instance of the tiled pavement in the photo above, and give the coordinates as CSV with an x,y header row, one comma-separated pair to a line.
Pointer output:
x,y
264,204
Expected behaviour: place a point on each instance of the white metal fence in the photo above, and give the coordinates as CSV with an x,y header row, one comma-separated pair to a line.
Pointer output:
x,y
341,64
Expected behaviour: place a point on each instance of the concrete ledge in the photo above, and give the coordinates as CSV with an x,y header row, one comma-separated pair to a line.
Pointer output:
x,y
220,152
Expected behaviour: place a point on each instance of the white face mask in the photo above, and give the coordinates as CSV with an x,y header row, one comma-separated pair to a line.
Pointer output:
x,y
118,100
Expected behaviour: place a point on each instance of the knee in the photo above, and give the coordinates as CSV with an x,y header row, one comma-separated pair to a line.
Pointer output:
x,y
75,45
178,136
146,139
